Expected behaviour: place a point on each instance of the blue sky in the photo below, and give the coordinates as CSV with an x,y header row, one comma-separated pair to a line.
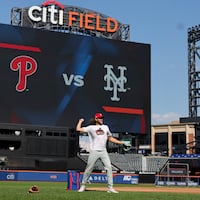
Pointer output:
x,y
161,23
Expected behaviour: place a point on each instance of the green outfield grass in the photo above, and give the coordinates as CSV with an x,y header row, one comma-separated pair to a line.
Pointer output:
x,y
57,191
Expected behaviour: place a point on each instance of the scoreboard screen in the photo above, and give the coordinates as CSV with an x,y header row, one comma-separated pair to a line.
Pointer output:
x,y
53,79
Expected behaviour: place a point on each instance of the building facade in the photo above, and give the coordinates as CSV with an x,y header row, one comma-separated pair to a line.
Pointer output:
x,y
174,138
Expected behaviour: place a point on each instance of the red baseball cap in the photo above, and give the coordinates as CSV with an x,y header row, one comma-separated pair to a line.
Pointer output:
x,y
98,116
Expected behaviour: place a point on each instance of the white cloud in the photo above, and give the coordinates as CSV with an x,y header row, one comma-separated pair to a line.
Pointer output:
x,y
164,118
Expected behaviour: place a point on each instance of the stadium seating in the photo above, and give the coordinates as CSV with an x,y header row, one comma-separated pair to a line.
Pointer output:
x,y
132,162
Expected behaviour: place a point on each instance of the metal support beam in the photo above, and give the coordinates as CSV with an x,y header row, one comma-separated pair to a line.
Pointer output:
x,y
194,70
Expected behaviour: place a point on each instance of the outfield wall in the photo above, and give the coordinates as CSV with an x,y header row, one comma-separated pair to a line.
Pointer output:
x,y
18,175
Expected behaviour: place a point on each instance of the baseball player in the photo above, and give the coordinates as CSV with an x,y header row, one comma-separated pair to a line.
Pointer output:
x,y
98,135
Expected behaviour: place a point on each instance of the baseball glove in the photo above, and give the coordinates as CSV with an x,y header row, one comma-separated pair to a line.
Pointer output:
x,y
126,147
33,189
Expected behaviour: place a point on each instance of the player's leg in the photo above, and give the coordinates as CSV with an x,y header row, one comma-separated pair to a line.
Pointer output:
x,y
107,164
93,156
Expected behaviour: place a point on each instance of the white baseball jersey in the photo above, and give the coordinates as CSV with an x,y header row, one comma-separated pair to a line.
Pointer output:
x,y
98,135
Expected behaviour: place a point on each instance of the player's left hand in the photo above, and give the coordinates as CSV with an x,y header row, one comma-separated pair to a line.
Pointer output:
x,y
126,147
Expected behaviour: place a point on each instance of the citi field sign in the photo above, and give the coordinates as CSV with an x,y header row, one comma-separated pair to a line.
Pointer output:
x,y
52,12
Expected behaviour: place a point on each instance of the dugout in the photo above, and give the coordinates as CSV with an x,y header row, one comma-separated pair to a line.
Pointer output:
x,y
39,147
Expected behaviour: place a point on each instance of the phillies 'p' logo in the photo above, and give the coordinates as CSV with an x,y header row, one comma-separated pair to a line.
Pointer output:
x,y
26,67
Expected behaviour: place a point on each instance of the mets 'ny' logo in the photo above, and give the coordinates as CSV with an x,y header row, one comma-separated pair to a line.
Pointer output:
x,y
114,83
26,66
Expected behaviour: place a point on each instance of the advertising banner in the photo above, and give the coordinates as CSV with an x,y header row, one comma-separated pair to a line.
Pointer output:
x,y
10,175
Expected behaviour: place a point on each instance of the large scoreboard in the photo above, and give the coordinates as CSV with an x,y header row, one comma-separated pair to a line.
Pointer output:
x,y
52,79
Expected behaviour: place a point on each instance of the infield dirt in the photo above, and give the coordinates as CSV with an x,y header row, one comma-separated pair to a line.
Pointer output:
x,y
192,190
